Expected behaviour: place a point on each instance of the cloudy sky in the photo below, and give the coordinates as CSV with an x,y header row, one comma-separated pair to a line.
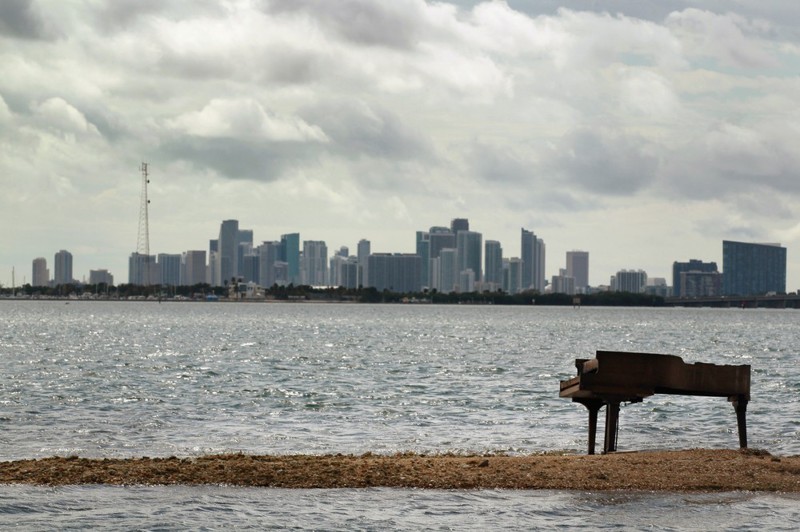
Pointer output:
x,y
642,131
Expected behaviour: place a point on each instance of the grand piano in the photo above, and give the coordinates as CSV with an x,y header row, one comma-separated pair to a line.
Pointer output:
x,y
615,377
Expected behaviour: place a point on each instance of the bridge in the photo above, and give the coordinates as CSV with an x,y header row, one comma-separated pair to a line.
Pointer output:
x,y
771,301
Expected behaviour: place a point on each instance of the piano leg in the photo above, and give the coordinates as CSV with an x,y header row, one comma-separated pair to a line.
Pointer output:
x,y
740,405
612,425
593,406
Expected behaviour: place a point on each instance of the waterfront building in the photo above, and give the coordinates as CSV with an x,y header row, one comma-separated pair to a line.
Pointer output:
x,y
142,269
344,271
633,281
244,246
269,254
194,267
63,268
98,277
563,283
533,261
290,254
512,275
41,275
364,250
493,265
213,266
753,269
459,224
657,286
315,263
694,265
227,257
699,284
439,238
578,269
251,268
469,247
448,270
396,272
423,246
169,269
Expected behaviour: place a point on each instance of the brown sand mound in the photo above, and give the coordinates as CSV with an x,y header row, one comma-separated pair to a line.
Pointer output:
x,y
692,470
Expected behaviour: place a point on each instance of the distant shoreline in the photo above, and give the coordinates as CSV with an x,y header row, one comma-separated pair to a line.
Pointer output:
x,y
697,470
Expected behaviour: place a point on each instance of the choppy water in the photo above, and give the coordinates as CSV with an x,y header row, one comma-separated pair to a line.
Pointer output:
x,y
145,379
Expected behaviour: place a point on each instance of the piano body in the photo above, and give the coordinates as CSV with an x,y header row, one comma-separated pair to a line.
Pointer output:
x,y
615,377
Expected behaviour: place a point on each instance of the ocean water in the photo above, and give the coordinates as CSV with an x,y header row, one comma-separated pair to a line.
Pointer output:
x,y
119,379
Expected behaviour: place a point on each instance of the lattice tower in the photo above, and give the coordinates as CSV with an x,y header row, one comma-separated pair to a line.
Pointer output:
x,y
143,241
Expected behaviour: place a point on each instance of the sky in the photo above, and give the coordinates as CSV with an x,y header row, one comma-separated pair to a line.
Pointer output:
x,y
642,131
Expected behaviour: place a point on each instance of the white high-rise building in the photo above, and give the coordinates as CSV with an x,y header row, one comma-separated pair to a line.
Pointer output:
x,y
63,268
194,267
578,268
315,263
41,275
364,250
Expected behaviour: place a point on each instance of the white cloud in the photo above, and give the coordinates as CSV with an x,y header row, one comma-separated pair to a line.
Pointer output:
x,y
247,120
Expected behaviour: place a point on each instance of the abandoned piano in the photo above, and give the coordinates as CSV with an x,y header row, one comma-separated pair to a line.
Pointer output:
x,y
615,377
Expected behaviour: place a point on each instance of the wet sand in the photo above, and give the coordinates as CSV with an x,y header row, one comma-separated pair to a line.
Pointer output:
x,y
689,470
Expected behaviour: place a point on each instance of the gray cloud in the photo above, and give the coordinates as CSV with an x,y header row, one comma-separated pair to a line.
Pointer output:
x,y
22,19
605,162
392,24
358,129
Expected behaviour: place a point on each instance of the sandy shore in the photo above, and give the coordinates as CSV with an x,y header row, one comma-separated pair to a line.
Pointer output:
x,y
691,470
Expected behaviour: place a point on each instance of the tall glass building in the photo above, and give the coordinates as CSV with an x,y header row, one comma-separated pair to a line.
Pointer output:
x,y
753,269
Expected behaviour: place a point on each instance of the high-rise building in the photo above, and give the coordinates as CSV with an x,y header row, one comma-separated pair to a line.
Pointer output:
x,y
244,246
315,263
290,254
493,269
578,269
423,246
396,272
63,268
41,275
448,270
694,265
469,245
753,269
98,277
562,283
227,256
251,267
695,283
459,224
364,250
512,275
169,269
533,261
142,269
633,281
269,254
194,268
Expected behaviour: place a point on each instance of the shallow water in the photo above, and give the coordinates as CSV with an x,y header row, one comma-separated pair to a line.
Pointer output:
x,y
117,379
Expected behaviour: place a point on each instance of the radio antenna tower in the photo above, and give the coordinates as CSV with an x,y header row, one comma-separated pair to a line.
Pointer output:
x,y
143,241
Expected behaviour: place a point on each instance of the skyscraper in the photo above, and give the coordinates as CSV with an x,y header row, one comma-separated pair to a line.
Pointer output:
x,y
315,263
578,268
396,272
493,269
693,265
459,224
290,254
533,255
169,269
228,252
41,275
753,269
244,246
194,268
633,281
269,254
63,268
364,250
423,246
470,253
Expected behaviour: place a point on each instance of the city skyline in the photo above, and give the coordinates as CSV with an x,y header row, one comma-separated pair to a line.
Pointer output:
x,y
753,268
642,132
